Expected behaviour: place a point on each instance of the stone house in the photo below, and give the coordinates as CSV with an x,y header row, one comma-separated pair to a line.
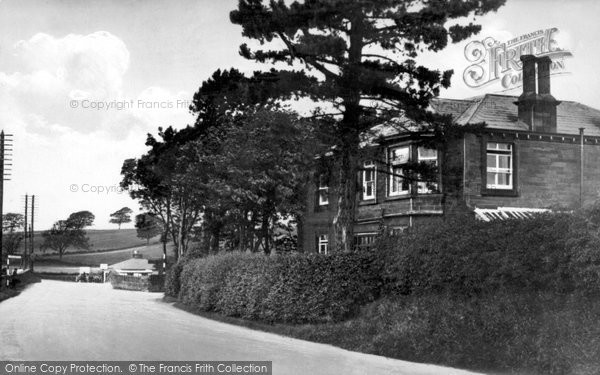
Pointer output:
x,y
534,153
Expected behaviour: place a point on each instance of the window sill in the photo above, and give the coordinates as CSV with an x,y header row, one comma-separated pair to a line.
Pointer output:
x,y
367,202
397,197
322,208
500,192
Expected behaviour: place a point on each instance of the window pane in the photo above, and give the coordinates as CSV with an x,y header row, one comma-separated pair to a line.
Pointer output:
x,y
504,161
504,179
499,146
322,181
491,178
399,155
491,160
405,185
427,153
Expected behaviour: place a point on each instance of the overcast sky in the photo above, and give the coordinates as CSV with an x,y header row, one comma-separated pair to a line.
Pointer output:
x,y
59,59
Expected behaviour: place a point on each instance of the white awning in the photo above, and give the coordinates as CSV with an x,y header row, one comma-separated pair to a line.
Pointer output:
x,y
504,213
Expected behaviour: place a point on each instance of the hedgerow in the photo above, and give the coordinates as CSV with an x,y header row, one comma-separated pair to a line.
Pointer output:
x,y
292,288
515,295
464,256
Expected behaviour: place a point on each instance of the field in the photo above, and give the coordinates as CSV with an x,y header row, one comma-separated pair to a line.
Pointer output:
x,y
107,246
101,240
94,259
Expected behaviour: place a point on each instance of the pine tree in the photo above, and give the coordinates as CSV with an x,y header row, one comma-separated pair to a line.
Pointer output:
x,y
362,54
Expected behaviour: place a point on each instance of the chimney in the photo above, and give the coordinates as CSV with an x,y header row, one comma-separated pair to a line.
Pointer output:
x,y
543,74
537,109
528,62
526,101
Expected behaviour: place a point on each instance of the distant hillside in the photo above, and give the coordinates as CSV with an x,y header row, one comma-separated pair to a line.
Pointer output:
x,y
153,251
101,239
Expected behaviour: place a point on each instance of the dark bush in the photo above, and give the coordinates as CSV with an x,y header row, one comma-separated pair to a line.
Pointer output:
x,y
551,252
172,280
541,333
282,288
203,278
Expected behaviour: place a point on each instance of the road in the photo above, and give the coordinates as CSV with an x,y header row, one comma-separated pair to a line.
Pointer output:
x,y
56,320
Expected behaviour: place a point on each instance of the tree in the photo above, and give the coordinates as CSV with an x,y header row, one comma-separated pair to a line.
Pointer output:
x,y
12,235
363,54
68,233
148,226
158,180
81,219
121,216
256,173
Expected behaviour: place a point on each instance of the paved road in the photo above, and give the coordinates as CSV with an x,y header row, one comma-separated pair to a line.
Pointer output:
x,y
57,320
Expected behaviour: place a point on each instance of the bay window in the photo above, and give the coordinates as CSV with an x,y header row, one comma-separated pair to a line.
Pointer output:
x,y
428,156
397,158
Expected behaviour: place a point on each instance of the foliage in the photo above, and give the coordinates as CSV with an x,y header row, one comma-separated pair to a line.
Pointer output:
x,y
292,288
147,226
68,233
554,252
522,333
12,236
81,219
12,222
255,176
359,59
159,180
121,216
172,279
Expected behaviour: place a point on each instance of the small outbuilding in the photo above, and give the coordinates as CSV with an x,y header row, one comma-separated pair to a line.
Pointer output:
x,y
134,267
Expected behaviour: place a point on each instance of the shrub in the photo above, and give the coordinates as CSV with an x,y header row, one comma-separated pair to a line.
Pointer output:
x,y
466,256
543,333
281,288
172,280
203,278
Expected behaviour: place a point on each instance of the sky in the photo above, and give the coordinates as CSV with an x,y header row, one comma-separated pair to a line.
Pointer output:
x,y
83,82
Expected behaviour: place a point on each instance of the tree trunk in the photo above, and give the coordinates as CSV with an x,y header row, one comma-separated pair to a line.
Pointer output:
x,y
215,239
265,232
343,220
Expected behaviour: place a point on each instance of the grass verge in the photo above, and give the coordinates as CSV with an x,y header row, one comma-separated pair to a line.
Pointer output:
x,y
24,281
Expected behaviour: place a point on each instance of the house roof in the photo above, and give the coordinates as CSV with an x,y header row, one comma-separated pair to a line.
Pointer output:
x,y
133,264
500,112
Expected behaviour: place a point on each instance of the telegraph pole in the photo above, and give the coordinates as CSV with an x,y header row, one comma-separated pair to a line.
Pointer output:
x,y
5,140
25,247
32,232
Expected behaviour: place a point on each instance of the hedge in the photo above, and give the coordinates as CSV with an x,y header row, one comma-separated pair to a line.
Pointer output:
x,y
550,252
295,288
523,333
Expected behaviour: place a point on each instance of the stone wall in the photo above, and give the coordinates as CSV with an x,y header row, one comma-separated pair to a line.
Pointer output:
x,y
152,283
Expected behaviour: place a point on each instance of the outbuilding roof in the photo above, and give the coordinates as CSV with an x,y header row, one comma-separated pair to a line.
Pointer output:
x,y
133,264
